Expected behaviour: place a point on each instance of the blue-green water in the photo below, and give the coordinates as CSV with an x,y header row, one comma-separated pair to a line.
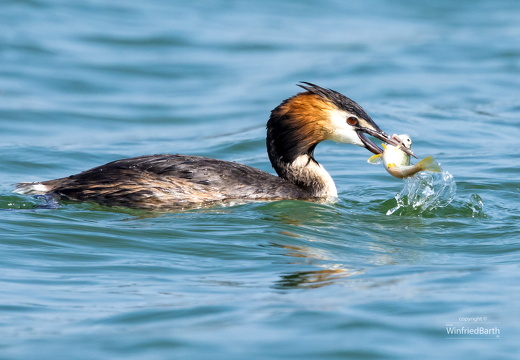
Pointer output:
x,y
86,82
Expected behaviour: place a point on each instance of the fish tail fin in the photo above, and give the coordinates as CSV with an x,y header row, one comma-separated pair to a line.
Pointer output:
x,y
429,164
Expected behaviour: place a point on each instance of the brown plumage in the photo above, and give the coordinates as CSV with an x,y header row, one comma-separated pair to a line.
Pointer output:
x,y
169,181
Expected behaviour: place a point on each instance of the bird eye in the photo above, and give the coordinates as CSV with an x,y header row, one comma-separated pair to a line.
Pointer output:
x,y
352,120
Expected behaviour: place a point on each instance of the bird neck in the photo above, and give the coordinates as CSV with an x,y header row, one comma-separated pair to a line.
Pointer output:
x,y
306,173
292,157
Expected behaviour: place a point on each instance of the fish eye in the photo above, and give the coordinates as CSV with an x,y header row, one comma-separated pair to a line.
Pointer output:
x,y
352,120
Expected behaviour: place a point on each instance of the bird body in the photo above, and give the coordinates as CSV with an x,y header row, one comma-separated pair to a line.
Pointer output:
x,y
294,129
167,181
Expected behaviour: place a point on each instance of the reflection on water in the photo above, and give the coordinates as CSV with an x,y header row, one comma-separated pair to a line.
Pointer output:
x,y
311,279
327,274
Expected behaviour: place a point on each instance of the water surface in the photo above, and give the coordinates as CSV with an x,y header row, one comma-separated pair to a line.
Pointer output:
x,y
84,83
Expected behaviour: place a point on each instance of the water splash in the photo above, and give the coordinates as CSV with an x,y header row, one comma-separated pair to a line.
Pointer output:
x,y
476,204
425,191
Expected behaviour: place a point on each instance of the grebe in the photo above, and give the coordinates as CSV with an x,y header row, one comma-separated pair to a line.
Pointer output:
x,y
295,127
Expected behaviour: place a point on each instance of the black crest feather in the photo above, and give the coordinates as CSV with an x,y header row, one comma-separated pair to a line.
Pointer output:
x,y
338,99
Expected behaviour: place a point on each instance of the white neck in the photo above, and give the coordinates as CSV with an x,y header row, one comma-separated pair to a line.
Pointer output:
x,y
307,173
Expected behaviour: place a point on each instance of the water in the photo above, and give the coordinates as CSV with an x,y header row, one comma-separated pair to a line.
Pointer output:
x,y
428,191
84,83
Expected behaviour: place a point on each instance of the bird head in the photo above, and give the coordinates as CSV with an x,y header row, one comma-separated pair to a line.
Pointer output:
x,y
299,123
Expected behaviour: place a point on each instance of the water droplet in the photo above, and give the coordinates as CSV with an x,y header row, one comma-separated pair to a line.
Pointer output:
x,y
476,205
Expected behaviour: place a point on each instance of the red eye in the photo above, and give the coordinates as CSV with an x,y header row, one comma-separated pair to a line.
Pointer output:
x,y
352,120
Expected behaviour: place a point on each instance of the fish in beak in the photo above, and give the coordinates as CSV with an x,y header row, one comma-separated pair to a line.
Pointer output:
x,y
381,135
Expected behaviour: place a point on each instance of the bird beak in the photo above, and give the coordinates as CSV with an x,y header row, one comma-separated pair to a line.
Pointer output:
x,y
381,135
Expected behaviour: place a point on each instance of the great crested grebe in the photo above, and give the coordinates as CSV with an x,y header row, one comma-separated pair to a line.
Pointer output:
x,y
295,127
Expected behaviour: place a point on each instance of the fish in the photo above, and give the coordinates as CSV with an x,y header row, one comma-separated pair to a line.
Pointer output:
x,y
397,162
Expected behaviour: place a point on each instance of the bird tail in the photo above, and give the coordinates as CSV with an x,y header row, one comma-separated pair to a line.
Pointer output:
x,y
34,188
